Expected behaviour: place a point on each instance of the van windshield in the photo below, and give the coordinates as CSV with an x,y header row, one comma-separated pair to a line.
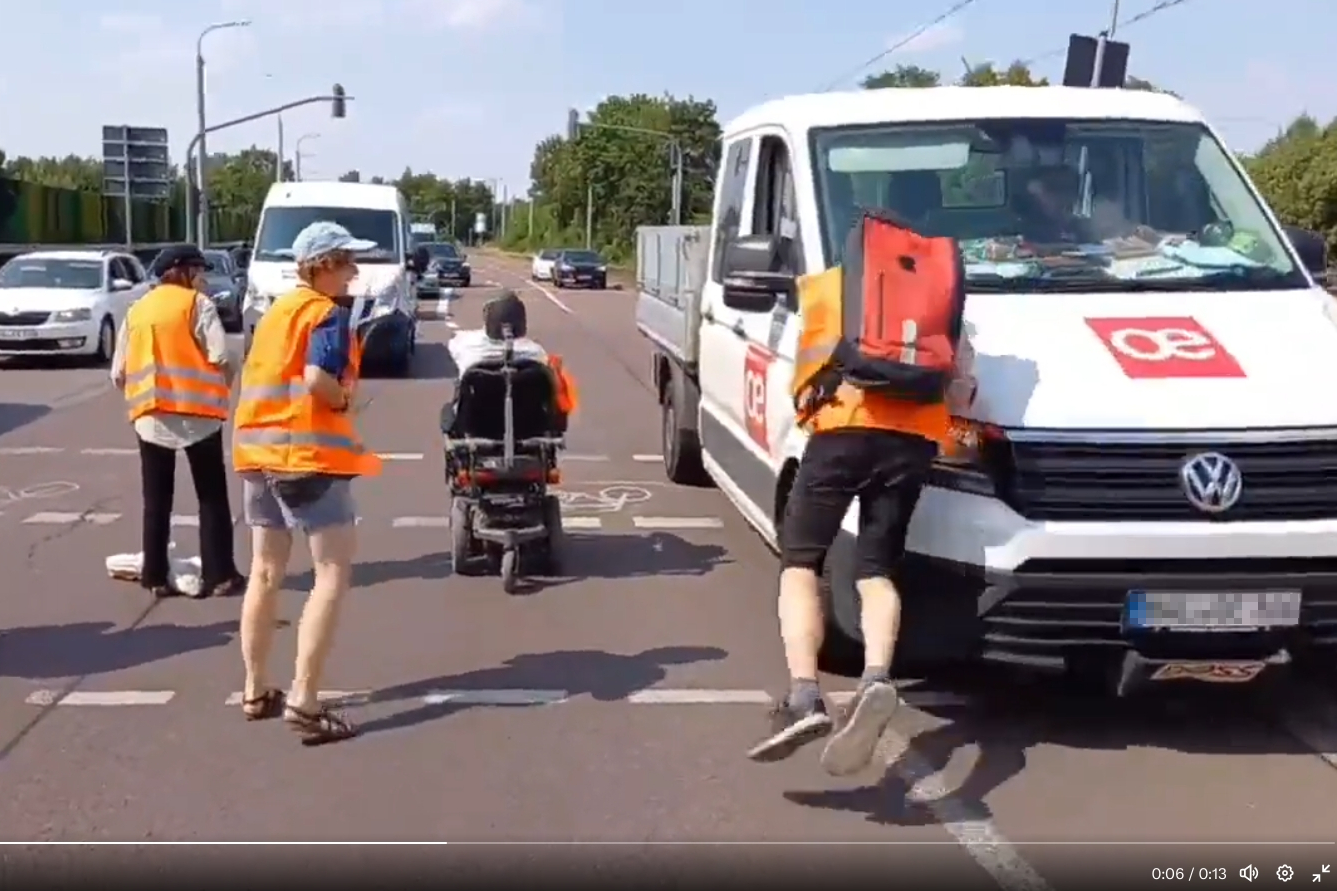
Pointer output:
x,y
1060,205
279,227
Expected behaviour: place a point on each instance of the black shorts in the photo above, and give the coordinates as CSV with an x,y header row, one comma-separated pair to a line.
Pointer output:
x,y
883,469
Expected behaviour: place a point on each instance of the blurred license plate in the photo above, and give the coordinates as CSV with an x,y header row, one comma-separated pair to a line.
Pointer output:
x,y
1212,610
18,334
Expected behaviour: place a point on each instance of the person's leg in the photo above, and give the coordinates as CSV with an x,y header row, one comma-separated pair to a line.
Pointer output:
x,y
157,471
899,466
271,546
330,525
209,473
822,492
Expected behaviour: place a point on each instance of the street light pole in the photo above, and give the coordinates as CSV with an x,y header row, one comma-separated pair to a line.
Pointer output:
x,y
202,200
297,154
337,97
278,162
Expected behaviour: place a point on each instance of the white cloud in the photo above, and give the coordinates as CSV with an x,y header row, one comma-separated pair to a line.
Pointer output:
x,y
937,37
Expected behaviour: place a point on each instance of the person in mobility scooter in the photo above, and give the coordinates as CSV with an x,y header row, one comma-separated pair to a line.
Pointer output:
x,y
502,431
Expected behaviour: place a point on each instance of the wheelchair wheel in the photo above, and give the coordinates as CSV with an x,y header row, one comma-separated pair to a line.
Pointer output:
x,y
510,571
461,536
554,547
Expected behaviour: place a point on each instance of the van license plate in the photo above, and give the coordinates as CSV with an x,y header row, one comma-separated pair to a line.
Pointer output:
x,y
18,334
1210,672
1212,610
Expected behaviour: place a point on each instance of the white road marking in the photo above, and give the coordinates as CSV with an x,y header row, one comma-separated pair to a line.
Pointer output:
x,y
977,834
343,697
582,523
56,518
400,456
677,522
495,697
30,450
586,458
648,459
420,522
700,697
109,451
185,519
113,697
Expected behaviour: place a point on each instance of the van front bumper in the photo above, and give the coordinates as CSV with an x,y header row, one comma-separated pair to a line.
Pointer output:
x,y
1042,593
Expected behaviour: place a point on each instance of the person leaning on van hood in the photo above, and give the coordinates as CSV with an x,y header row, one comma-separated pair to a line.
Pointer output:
x,y
297,451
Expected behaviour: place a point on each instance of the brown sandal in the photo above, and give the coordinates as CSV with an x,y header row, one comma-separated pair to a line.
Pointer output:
x,y
319,728
267,705
230,588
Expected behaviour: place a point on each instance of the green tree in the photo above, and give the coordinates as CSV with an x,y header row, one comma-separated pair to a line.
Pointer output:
x,y
903,76
626,172
1017,74
240,182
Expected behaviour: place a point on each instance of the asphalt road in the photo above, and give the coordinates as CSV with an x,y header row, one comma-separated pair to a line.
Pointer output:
x,y
611,705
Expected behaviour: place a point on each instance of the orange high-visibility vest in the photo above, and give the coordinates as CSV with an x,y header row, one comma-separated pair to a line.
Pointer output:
x,y
280,426
820,314
166,369
568,397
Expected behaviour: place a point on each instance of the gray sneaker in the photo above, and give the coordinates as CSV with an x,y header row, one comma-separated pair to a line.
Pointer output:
x,y
791,729
851,747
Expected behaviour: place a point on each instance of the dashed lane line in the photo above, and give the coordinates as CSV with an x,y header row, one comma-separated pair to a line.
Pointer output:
x,y
677,522
643,524
101,698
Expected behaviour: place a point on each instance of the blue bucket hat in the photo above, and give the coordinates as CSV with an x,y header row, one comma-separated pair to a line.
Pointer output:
x,y
323,238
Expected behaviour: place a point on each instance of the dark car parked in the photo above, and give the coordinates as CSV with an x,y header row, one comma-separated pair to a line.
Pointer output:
x,y
580,269
225,284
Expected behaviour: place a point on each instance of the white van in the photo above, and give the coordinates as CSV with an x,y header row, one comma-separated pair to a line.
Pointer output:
x,y
1151,490
385,310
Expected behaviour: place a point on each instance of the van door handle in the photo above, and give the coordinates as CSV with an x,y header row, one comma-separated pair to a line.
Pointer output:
x,y
739,330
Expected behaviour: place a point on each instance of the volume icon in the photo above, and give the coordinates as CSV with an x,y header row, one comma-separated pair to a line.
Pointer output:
x,y
1249,873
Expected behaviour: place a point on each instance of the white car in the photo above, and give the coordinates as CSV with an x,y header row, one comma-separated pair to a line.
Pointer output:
x,y
67,303
541,269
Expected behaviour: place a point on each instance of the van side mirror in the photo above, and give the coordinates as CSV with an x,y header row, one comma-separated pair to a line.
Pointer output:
x,y
752,276
121,284
1312,248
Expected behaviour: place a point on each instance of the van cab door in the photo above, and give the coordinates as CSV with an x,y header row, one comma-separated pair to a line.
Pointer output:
x,y
723,350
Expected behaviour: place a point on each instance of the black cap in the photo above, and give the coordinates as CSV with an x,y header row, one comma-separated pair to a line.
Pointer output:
x,y
178,255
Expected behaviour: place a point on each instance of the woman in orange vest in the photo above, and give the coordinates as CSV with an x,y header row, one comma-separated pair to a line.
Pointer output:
x,y
298,453
171,361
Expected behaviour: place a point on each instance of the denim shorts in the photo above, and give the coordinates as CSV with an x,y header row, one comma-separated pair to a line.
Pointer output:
x,y
264,509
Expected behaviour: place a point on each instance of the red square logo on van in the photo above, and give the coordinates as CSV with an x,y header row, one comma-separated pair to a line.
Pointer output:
x,y
1165,348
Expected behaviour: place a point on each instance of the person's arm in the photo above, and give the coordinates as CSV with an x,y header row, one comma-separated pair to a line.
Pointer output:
x,y
327,359
212,337
118,357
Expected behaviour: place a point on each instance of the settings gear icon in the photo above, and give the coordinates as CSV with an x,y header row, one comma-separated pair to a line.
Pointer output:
x,y
1285,873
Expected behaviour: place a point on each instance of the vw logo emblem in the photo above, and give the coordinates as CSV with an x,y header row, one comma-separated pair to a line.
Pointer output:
x,y
1212,482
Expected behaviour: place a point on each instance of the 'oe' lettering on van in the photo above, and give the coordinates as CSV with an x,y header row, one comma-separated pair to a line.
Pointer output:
x,y
755,368
1165,348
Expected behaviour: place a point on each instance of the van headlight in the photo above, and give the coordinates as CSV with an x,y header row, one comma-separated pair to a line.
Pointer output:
x,y
82,314
962,466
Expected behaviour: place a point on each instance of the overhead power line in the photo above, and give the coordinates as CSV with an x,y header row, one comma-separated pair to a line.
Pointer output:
x,y
903,42
1122,23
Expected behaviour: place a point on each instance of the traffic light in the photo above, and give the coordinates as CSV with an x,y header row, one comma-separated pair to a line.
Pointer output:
x,y
337,108
572,123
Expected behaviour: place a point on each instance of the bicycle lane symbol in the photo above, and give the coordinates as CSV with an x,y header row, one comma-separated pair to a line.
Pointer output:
x,y
38,492
608,500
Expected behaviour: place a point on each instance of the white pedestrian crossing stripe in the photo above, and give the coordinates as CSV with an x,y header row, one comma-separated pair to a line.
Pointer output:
x,y
436,522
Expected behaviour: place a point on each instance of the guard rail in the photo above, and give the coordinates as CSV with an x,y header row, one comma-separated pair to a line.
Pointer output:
x,y
145,252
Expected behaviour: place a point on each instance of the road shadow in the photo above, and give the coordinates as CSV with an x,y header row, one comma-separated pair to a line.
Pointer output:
x,y
1003,722
632,556
81,649
599,675
434,565
14,415
432,362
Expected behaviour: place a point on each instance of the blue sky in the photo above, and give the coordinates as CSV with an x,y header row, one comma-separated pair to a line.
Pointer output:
x,y
466,87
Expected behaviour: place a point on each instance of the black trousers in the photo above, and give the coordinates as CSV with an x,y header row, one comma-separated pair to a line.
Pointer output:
x,y
157,467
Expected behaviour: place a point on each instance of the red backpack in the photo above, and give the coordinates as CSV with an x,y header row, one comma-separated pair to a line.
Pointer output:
x,y
902,302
